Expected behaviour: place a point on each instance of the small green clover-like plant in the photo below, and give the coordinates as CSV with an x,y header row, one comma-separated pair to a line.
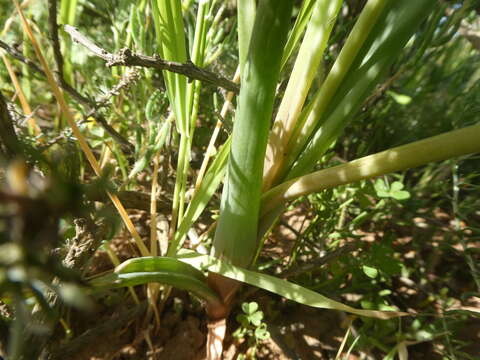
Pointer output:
x,y
252,328
394,191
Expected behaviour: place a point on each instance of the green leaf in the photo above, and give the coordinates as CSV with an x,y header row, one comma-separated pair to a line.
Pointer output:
x,y
250,308
261,333
401,195
246,18
397,192
170,34
395,26
242,320
381,188
441,147
391,354
297,30
396,186
157,263
164,270
256,318
236,234
385,292
371,272
277,286
400,98
202,196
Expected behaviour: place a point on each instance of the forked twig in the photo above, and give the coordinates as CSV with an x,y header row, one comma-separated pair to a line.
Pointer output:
x,y
125,57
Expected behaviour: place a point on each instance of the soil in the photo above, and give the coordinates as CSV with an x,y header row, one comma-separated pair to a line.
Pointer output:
x,y
297,331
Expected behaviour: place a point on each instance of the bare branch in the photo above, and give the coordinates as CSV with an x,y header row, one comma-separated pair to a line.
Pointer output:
x,y
87,103
125,57
57,54
53,30
18,55
9,144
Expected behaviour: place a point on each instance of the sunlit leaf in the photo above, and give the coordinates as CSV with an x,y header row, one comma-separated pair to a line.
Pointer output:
x,y
370,271
164,270
278,286
400,98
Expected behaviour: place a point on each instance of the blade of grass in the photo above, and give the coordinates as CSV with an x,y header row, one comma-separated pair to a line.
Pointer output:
x,y
216,131
386,40
306,67
154,289
193,88
297,30
156,263
116,261
33,128
174,279
168,21
153,207
169,27
344,341
165,270
201,197
68,11
306,124
68,15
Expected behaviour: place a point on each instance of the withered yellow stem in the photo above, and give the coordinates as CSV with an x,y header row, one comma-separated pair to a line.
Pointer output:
x,y
76,131
32,124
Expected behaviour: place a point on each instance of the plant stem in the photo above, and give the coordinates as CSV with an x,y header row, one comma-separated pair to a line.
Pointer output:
x,y
236,235
235,238
441,147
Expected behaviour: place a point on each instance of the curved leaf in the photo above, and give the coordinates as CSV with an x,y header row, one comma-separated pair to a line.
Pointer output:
x,y
168,271
157,263
278,286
